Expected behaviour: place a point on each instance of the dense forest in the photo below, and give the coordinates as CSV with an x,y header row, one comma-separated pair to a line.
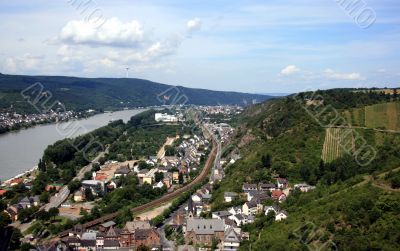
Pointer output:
x,y
352,201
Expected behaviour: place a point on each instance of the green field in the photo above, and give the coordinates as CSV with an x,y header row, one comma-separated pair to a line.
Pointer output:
x,y
380,116
383,116
337,142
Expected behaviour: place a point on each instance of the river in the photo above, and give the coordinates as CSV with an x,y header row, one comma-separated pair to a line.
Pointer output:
x,y
21,150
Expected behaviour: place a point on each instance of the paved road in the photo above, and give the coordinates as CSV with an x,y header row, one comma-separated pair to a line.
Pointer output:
x,y
62,195
166,198
57,199
216,164
167,245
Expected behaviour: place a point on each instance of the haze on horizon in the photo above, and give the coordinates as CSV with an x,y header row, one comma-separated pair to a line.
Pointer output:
x,y
249,46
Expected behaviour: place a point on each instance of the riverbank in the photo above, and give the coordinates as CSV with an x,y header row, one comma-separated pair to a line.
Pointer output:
x,y
22,150
53,120
20,177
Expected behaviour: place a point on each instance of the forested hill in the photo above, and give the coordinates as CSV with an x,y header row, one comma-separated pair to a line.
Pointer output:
x,y
322,139
113,93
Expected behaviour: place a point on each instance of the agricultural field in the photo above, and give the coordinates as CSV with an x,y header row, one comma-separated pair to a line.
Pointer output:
x,y
383,116
355,117
338,141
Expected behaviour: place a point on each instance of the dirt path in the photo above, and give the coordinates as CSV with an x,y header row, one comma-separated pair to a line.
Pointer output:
x,y
363,127
161,152
152,213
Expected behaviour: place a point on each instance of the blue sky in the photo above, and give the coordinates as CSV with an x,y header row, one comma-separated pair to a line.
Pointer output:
x,y
249,46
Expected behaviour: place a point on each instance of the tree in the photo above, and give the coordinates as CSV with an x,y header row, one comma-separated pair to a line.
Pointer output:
x,y
42,165
27,247
53,212
169,151
4,220
74,185
95,167
26,213
15,242
43,215
266,160
180,178
44,197
143,248
143,165
3,205
158,176
88,194
102,160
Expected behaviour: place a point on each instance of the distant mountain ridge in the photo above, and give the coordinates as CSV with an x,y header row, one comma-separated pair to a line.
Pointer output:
x,y
114,93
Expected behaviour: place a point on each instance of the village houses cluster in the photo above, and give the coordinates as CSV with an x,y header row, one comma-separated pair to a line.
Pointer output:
x,y
159,171
11,119
109,237
225,226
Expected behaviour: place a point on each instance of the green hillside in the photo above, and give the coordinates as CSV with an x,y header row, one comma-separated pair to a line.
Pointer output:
x,y
286,131
345,217
111,93
383,116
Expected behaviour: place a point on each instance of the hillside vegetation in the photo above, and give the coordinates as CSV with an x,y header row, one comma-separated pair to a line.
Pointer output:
x,y
349,209
108,93
337,141
383,116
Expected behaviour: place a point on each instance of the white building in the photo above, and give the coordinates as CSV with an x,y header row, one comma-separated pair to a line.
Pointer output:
x,y
163,117
281,216
231,240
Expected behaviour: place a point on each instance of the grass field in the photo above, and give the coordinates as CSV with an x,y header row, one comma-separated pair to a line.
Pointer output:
x,y
337,142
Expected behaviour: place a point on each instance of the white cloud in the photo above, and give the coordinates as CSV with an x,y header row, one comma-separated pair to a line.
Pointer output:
x,y
112,33
31,62
10,65
342,76
26,62
194,25
289,70
107,62
69,53
154,51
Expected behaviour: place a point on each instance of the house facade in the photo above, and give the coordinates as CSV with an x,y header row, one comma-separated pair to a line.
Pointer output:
x,y
204,231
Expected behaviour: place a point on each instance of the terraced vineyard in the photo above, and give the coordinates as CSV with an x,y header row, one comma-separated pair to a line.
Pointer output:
x,y
338,141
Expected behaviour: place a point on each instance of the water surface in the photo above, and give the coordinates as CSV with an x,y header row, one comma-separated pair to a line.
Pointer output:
x,y
21,150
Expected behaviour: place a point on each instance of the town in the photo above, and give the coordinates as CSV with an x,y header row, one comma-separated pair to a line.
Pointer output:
x,y
10,121
178,162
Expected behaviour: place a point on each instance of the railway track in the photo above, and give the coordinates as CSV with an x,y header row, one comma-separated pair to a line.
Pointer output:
x,y
166,198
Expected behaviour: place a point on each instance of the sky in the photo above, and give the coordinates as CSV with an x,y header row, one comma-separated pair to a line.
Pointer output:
x,y
266,46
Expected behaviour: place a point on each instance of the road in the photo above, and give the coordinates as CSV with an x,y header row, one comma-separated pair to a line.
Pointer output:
x,y
168,197
167,245
57,199
217,162
161,152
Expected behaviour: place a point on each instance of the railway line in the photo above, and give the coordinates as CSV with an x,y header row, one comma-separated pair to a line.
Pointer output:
x,y
166,198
